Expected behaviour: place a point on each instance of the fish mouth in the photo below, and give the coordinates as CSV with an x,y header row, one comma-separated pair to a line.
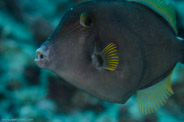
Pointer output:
x,y
40,62
41,58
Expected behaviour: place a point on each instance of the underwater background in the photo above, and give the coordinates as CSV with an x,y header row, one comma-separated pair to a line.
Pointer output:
x,y
33,94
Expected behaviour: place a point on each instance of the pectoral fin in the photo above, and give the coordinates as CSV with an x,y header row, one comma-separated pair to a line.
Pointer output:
x,y
152,98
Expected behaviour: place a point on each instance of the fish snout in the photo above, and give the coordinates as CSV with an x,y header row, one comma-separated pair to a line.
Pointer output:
x,y
42,57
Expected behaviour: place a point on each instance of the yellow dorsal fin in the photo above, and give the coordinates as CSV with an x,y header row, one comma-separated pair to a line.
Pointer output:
x,y
152,98
166,10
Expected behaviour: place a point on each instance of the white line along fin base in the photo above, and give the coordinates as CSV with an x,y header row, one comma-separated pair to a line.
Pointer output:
x,y
179,38
166,10
152,98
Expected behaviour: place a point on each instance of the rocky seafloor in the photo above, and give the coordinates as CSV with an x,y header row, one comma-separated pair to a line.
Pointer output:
x,y
28,92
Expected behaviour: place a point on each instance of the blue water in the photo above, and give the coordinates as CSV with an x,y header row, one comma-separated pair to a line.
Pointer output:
x,y
28,93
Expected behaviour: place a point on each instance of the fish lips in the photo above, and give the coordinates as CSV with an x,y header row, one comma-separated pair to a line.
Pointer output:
x,y
43,57
40,62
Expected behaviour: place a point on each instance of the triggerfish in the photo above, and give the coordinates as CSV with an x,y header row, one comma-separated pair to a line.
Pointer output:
x,y
113,49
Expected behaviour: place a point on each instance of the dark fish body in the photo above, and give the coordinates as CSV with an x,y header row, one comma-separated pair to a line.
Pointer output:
x,y
147,49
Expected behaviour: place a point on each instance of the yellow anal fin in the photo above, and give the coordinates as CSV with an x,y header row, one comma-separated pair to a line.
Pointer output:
x,y
152,98
166,10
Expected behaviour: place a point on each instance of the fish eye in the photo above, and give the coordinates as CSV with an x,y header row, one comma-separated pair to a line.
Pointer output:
x,y
86,19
